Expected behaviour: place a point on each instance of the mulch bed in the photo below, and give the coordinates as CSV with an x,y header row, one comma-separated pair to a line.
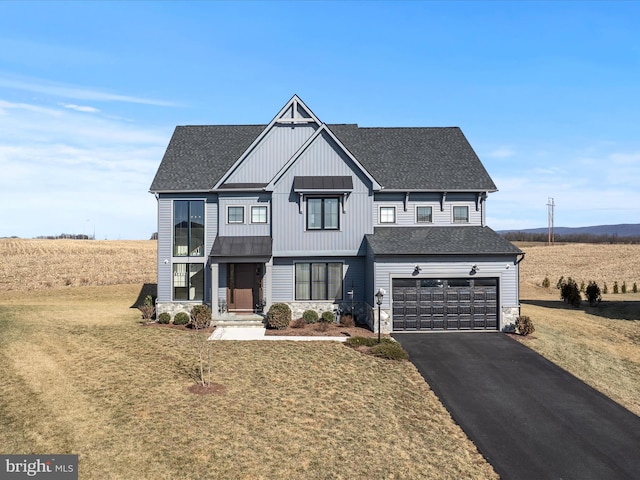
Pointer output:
x,y
317,330
212,389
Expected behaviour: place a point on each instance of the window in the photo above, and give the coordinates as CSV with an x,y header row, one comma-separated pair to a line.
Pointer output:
x,y
235,214
424,215
323,213
460,214
319,281
387,214
188,281
259,214
188,228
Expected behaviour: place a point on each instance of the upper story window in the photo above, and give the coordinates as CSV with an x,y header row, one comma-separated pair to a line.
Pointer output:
x,y
259,214
235,214
188,228
387,214
424,215
461,214
323,213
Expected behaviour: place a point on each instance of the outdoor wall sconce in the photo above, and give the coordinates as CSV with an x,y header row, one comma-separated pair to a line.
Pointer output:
x,y
474,269
417,270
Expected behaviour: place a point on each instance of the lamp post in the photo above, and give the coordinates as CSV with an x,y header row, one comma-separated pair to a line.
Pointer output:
x,y
379,294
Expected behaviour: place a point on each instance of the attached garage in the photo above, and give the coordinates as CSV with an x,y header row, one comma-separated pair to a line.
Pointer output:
x,y
444,304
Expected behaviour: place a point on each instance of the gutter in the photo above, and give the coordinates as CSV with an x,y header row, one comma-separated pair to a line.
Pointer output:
x,y
520,259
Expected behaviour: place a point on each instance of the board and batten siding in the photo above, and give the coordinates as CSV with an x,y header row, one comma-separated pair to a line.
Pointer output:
x,y
284,277
290,236
503,268
273,151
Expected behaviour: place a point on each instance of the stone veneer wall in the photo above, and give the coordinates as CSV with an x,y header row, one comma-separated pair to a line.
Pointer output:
x,y
174,307
509,316
298,308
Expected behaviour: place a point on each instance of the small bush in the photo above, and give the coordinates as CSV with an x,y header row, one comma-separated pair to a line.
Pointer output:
x,y
546,283
635,287
310,316
164,317
524,325
298,323
560,283
200,316
624,287
582,287
322,326
570,293
147,308
390,350
347,320
605,289
279,316
593,293
616,289
328,317
181,318
366,341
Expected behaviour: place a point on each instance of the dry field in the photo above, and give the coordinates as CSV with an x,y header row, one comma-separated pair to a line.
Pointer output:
x,y
38,264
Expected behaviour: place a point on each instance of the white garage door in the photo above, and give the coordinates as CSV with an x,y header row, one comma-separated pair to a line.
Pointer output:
x,y
445,304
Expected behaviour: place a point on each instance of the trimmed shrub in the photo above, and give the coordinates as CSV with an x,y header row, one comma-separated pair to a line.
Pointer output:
x,y
200,316
390,350
616,289
624,287
593,293
164,317
298,323
347,320
546,283
310,316
328,317
147,308
181,318
582,287
560,282
279,316
524,325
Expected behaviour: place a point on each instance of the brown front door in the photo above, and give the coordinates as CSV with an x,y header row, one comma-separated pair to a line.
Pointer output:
x,y
241,290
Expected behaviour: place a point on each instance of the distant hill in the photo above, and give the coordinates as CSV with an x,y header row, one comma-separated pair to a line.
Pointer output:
x,y
622,230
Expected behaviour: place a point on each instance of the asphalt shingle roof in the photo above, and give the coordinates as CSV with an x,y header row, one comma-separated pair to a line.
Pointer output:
x,y
241,247
437,159
454,240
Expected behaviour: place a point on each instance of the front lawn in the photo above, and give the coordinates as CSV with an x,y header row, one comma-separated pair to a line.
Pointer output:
x,y
81,375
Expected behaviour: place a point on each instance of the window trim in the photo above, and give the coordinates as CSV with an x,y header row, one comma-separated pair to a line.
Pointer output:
x,y
326,263
266,210
430,216
453,214
229,222
188,276
395,216
322,228
189,232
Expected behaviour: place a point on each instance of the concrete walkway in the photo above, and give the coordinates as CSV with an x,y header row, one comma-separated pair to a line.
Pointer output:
x,y
528,417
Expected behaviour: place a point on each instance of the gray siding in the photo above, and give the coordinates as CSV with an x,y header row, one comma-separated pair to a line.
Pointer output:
x,y
268,157
290,237
165,236
449,267
246,228
284,278
440,217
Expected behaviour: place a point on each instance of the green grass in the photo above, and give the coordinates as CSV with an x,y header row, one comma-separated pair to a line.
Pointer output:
x,y
81,375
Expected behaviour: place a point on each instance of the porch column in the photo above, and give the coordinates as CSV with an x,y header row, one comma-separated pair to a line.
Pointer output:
x,y
268,272
214,290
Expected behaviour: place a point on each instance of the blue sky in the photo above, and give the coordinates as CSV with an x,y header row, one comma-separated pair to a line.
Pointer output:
x,y
548,94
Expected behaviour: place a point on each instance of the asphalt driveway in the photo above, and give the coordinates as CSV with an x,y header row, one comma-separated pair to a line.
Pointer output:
x,y
528,417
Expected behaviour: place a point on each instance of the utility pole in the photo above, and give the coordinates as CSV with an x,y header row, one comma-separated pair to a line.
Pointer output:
x,y
551,235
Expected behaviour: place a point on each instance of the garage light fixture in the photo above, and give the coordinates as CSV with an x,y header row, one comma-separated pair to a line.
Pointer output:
x,y
416,270
474,269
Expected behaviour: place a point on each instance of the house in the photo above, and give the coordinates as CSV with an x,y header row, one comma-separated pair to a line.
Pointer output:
x,y
322,216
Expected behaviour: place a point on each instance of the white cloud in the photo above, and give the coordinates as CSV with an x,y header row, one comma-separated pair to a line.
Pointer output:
x,y
502,152
80,108
76,92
